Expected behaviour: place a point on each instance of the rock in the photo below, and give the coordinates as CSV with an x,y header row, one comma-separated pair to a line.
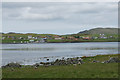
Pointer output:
x,y
102,62
79,63
63,58
74,64
64,61
42,63
94,61
47,63
105,62
36,65
47,59
112,60
12,69
13,65
68,61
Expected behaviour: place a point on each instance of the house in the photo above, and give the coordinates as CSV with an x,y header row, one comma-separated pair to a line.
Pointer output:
x,y
41,40
44,38
86,38
31,41
20,37
29,37
36,38
59,38
3,38
8,36
76,39
94,37
104,37
71,38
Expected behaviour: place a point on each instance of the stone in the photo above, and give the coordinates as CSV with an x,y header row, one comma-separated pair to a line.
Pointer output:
x,y
112,60
36,65
13,65
47,59
94,61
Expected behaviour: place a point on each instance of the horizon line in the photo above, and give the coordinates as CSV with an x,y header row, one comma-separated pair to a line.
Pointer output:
x,y
49,33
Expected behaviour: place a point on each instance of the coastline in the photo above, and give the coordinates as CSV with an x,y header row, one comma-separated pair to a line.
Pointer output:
x,y
62,42
64,58
101,65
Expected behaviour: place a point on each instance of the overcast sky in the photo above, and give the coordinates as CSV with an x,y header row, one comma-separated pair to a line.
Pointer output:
x,y
58,18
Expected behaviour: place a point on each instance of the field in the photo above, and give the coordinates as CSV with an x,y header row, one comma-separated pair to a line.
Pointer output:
x,y
86,70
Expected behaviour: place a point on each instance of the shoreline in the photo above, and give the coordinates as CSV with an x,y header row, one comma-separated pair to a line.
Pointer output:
x,y
61,42
100,66
41,63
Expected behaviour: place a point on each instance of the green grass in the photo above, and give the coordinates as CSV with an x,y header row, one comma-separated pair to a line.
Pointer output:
x,y
91,70
72,41
86,70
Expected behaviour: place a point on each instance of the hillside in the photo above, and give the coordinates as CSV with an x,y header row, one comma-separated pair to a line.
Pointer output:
x,y
100,31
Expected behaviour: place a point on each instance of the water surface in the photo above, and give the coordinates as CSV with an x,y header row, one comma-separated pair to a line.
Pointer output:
x,y
34,53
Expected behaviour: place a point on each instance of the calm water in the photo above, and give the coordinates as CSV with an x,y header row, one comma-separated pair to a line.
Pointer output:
x,y
33,53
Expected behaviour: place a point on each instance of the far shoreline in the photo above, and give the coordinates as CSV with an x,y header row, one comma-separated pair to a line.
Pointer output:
x,y
62,42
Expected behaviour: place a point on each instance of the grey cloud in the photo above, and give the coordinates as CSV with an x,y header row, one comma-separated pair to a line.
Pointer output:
x,y
42,11
64,15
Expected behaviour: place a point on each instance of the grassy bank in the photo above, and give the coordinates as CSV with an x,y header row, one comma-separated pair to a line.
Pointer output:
x,y
78,41
86,70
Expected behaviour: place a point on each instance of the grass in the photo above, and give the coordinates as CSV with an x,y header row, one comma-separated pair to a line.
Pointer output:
x,y
81,40
91,70
86,70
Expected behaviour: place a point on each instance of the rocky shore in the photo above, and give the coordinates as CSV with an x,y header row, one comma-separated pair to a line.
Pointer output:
x,y
68,61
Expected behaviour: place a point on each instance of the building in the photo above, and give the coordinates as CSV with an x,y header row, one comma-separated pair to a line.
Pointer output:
x,y
59,38
86,38
29,37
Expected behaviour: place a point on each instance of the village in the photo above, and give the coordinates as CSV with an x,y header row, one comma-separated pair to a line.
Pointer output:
x,y
24,39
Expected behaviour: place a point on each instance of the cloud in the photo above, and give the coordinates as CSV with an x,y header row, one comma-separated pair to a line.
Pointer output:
x,y
26,14
34,11
64,15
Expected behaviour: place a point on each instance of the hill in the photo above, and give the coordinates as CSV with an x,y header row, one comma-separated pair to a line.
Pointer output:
x,y
100,31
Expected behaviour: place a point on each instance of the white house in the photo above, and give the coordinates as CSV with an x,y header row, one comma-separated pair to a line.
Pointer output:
x,y
59,38
29,37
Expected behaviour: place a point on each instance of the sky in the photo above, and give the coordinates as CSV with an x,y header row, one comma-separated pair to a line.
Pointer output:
x,y
58,17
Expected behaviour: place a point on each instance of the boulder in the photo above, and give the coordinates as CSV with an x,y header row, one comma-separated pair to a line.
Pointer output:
x,y
36,65
68,61
13,65
112,60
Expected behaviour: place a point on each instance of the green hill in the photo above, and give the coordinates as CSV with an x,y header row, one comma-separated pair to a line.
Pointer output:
x,y
101,31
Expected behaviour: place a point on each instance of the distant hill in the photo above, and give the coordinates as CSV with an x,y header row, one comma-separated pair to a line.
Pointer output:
x,y
101,31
